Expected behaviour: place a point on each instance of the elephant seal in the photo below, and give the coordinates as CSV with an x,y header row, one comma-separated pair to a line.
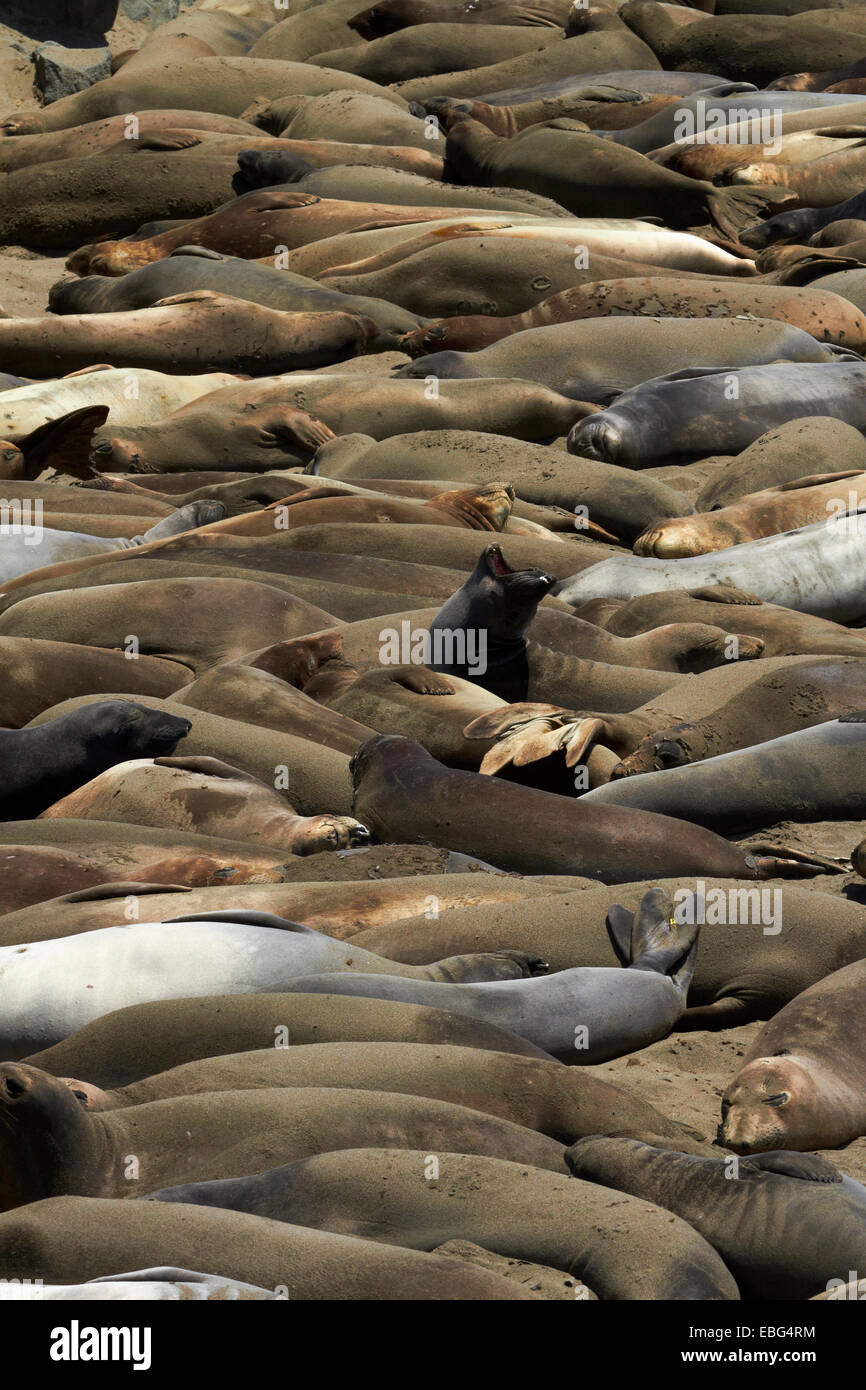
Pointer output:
x,y
95,616
223,85
305,411
57,205
39,674
801,1082
341,115
561,1102
748,1221
208,796
604,51
800,448
813,570
618,499
257,223
757,52
40,765
159,1285
56,1146
391,15
141,961
233,429
742,973
807,775
783,631
189,269
396,187
825,316
429,49
31,547
612,1011
802,223
498,602
701,419
344,907
458,268
95,137
589,176
184,333
685,725
66,1239
568,836
24,409
802,502
638,1252
596,360
163,1036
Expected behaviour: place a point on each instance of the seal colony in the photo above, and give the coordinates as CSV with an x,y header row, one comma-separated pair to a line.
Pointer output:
x,y
433,627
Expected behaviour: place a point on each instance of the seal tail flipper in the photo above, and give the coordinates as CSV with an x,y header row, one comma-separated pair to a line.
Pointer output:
x,y
662,941
780,861
733,209
63,444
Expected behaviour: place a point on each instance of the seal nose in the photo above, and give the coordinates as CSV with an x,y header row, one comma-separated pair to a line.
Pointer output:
x,y
14,1083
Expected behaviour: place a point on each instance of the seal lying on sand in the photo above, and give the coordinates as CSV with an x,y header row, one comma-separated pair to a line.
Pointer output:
x,y
801,1082
813,570
212,953
635,1252
53,1145
42,764
66,1239
751,1222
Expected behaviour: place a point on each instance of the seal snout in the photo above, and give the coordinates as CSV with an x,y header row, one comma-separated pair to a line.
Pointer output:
x,y
15,1084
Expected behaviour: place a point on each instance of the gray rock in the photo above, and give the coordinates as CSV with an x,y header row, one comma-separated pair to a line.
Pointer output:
x,y
61,71
151,12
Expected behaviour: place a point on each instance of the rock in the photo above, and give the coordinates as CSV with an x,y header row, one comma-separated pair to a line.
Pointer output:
x,y
61,71
152,12
75,22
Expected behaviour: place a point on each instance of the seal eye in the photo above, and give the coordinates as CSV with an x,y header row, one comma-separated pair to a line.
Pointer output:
x,y
780,1099
81,1097
11,1088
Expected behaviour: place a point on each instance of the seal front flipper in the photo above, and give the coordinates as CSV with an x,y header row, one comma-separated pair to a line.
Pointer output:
x,y
725,593
422,681
168,140
250,919
790,1164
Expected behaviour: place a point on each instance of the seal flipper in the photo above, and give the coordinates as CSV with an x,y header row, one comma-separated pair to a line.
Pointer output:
x,y
250,919
63,444
619,923
789,1164
122,888
733,209
660,942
